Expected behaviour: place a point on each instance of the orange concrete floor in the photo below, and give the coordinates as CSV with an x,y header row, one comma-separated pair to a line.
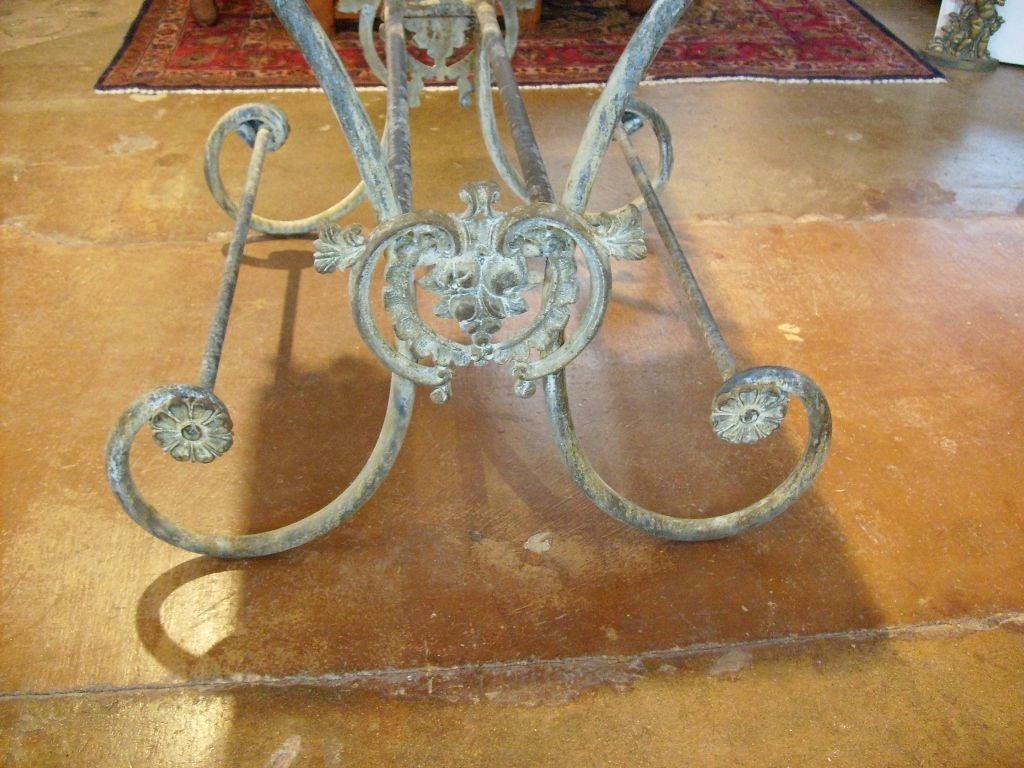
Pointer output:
x,y
870,236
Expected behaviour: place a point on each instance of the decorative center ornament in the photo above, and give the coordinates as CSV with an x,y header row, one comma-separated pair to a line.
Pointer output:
x,y
479,264
443,48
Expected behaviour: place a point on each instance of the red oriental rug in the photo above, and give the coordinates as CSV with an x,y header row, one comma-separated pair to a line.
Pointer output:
x,y
577,42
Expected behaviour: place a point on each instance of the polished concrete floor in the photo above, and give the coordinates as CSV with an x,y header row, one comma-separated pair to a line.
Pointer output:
x,y
870,236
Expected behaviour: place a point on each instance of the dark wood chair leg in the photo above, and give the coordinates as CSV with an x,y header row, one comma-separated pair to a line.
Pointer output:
x,y
530,18
204,11
638,7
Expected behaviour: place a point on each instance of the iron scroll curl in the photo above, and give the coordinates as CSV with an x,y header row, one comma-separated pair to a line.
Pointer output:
x,y
783,381
143,410
239,121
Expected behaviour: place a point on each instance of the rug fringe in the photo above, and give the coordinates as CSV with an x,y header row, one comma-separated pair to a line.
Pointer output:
x,y
133,90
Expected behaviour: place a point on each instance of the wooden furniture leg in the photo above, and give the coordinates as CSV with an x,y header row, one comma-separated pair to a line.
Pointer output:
x,y
529,18
204,11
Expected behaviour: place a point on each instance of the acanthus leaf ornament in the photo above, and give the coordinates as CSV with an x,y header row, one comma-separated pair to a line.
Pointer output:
x,y
478,267
440,38
621,233
440,32
337,247
479,264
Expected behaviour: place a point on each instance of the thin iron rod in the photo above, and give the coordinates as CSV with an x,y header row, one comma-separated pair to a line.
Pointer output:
x,y
229,277
538,186
712,335
489,130
399,153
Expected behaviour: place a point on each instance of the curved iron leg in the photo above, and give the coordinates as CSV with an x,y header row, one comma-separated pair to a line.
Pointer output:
x,y
191,422
748,407
606,114
344,101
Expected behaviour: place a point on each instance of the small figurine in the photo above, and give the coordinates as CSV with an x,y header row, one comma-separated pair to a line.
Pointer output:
x,y
963,41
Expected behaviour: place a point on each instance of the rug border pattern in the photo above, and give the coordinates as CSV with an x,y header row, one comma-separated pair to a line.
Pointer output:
x,y
934,75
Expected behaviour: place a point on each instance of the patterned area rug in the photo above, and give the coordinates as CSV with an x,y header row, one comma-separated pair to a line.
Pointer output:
x,y
576,42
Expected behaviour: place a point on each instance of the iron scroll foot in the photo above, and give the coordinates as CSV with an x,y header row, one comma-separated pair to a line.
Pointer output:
x,y
192,424
150,406
748,407
777,383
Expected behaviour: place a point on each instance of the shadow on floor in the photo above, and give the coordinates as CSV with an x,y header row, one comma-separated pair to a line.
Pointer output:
x,y
434,571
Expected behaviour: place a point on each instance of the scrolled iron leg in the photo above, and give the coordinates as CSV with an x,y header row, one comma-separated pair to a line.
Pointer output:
x,y
192,424
480,258
749,406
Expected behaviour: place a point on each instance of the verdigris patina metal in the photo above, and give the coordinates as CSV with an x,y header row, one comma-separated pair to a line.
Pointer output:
x,y
962,43
479,265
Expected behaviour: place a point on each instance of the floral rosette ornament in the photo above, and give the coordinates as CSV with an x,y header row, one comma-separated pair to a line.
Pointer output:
x,y
748,414
193,429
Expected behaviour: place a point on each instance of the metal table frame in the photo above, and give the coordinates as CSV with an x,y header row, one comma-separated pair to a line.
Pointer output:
x,y
478,263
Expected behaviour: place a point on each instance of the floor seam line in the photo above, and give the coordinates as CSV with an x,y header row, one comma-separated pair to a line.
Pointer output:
x,y
938,629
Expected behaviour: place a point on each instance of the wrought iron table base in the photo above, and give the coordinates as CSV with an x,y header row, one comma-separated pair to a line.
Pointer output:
x,y
478,264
